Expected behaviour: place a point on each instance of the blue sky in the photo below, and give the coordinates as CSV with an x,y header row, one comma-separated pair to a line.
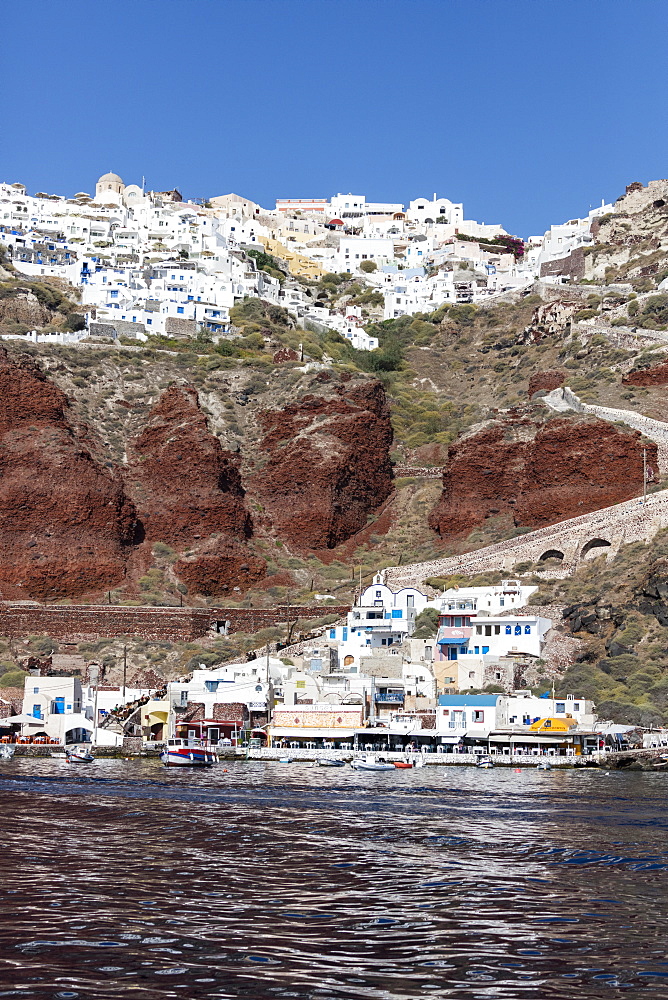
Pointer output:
x,y
528,111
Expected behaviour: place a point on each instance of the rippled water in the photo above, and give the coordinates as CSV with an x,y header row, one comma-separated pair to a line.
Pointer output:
x,y
269,880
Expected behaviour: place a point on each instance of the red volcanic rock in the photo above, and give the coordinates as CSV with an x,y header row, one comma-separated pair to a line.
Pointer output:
x,y
66,523
285,354
546,381
219,565
189,494
539,474
658,375
324,463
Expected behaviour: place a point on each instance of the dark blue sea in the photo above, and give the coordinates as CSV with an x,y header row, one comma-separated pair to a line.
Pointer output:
x,y
267,880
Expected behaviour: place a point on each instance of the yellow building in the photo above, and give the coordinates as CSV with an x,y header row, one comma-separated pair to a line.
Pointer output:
x,y
300,266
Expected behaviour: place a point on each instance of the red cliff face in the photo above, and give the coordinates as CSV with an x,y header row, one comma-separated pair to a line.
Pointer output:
x,y
547,381
658,375
538,474
189,495
324,463
66,523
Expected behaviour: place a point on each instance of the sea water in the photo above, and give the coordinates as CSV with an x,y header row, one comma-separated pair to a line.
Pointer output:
x,y
265,880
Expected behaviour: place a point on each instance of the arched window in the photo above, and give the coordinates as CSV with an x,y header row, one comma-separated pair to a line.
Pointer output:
x,y
518,630
509,630
527,629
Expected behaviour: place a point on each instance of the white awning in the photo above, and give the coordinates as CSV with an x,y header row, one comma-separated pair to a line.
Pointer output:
x,y
22,720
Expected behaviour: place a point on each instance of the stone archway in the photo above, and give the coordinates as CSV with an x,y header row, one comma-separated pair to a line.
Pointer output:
x,y
551,554
589,549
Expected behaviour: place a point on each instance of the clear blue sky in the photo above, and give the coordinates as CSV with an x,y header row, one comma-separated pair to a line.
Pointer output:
x,y
528,111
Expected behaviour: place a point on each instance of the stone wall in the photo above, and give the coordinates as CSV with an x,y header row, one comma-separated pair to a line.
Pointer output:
x,y
79,623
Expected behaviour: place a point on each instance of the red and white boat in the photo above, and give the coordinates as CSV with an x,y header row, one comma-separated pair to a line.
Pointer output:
x,y
188,753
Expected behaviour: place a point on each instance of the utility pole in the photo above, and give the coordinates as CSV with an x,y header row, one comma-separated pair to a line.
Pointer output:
x,y
125,672
644,475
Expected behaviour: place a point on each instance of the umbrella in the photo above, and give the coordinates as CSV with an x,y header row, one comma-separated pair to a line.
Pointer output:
x,y
22,720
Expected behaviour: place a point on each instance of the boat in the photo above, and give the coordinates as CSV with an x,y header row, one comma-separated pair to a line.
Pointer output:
x,y
7,751
404,763
544,766
330,762
79,755
370,763
484,763
187,753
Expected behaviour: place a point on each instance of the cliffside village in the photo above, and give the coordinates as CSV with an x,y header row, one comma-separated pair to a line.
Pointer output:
x,y
149,263
368,683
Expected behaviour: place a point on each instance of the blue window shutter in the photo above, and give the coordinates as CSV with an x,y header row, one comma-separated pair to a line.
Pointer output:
x,y
485,649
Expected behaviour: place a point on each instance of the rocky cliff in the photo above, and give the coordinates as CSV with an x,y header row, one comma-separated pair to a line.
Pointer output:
x,y
537,473
67,525
325,462
95,470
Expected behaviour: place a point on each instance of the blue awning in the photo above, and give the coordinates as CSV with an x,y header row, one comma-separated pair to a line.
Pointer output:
x,y
451,641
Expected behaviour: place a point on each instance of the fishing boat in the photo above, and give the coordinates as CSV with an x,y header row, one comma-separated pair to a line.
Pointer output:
x,y
187,753
330,762
370,763
78,755
7,751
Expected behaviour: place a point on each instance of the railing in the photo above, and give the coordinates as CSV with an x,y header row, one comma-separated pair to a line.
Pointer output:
x,y
390,697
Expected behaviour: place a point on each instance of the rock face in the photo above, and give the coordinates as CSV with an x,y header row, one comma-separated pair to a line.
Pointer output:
x,y
325,463
658,375
66,524
538,473
189,494
546,381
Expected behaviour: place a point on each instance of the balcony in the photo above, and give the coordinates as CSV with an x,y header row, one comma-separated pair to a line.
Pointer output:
x,y
390,698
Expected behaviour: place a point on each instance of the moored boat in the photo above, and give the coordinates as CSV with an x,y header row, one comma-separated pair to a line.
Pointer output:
x,y
404,763
370,763
7,751
187,753
484,763
78,755
330,762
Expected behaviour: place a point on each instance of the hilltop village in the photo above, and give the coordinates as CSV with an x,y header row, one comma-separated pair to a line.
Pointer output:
x,y
331,475
148,263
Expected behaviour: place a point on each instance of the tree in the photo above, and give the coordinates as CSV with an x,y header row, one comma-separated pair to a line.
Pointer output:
x,y
368,266
426,624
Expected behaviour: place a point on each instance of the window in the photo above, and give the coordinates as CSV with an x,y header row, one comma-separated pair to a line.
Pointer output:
x,y
35,690
488,629
300,684
576,706
410,601
462,650
37,711
149,322
509,630
560,707
497,630
527,629
478,629
485,649
378,593
476,649
179,309
518,630
502,603
478,715
114,295
332,633
345,633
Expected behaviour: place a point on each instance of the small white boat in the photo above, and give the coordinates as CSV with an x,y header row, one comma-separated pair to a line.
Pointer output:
x,y
544,766
370,763
79,755
7,751
330,762
484,763
187,753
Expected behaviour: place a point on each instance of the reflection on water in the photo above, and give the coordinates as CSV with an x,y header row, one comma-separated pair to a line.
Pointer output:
x,y
268,880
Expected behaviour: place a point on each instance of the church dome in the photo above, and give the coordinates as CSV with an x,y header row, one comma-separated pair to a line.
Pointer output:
x,y
110,177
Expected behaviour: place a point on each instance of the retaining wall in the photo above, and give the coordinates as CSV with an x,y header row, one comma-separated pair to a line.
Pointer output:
x,y
630,521
80,623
